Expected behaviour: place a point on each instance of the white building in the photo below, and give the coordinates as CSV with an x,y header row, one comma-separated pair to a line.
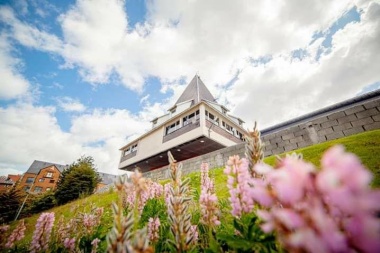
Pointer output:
x,y
195,125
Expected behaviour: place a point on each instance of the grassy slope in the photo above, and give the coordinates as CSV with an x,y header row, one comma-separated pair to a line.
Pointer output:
x,y
365,145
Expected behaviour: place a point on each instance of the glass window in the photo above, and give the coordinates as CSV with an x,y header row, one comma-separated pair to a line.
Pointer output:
x,y
212,118
41,180
26,188
49,174
228,127
38,189
191,118
126,152
52,181
48,189
172,127
134,148
29,180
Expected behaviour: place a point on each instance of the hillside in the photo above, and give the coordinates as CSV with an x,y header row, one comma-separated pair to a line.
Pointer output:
x,y
365,145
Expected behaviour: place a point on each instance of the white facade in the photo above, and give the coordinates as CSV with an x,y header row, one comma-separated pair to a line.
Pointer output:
x,y
186,129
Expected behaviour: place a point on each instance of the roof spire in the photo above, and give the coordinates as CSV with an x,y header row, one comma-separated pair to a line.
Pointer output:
x,y
197,88
197,91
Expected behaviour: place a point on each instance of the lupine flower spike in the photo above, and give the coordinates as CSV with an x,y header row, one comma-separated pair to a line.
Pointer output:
x,y
327,210
178,209
239,184
153,229
208,200
16,235
41,235
253,148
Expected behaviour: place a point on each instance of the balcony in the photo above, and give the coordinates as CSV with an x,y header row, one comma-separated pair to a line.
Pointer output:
x,y
130,155
190,126
224,132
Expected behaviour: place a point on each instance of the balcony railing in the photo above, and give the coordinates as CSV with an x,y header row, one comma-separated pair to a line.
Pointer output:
x,y
222,131
126,157
190,126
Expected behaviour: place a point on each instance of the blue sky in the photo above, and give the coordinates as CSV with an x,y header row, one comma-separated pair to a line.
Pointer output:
x,y
85,77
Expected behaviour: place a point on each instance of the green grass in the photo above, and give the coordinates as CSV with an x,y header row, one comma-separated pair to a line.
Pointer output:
x,y
365,145
69,210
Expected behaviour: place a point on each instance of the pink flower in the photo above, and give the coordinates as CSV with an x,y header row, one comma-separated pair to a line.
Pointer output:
x,y
293,178
41,235
16,235
153,229
94,244
239,184
208,200
69,244
4,228
331,210
194,233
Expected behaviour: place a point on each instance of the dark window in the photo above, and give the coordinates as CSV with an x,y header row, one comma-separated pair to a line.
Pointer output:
x,y
228,127
212,118
172,127
191,118
26,188
29,180
38,189
52,181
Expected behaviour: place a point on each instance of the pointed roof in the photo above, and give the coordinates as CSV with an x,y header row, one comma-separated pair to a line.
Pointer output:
x,y
36,166
197,91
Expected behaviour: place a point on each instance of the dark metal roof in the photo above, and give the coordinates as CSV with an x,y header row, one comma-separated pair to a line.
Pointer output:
x,y
196,90
38,165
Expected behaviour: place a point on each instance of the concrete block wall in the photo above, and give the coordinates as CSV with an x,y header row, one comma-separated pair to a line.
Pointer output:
x,y
343,119
214,159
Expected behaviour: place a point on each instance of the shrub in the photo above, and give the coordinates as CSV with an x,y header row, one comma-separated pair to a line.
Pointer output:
x,y
42,203
10,203
79,179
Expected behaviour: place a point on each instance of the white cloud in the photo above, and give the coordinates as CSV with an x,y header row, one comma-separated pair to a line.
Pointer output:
x,y
12,84
71,105
28,35
32,132
7,171
285,88
179,38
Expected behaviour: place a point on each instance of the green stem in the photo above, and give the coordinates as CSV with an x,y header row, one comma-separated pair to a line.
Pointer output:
x,y
136,213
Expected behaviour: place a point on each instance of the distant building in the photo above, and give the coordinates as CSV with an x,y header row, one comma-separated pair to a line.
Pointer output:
x,y
106,179
7,182
41,177
195,125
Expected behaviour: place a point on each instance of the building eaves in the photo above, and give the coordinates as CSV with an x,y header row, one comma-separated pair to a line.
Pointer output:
x,y
229,115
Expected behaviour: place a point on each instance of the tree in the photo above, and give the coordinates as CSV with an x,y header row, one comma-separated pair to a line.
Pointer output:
x,y
79,179
10,203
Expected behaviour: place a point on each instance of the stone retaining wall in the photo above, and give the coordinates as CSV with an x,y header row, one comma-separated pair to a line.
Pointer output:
x,y
343,119
215,159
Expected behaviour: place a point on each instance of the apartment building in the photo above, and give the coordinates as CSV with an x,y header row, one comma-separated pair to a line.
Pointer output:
x,y
41,176
197,124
